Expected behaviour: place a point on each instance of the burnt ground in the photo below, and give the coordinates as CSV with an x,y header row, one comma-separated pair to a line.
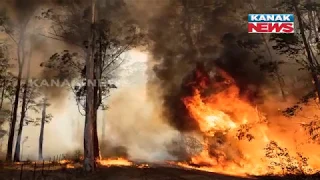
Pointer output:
x,y
118,173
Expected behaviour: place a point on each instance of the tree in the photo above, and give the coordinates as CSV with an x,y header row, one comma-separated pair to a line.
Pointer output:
x,y
6,80
89,158
26,88
307,49
18,37
45,118
110,41
296,46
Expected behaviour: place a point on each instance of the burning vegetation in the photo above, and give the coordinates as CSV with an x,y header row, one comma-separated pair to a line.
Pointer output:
x,y
238,138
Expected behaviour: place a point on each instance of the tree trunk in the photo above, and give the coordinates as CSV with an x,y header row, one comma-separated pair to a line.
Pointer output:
x,y
43,121
96,139
312,16
14,118
307,48
89,160
97,97
16,157
21,61
95,129
103,127
2,92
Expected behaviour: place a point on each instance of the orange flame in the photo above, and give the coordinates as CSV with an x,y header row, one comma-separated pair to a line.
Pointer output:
x,y
235,134
115,162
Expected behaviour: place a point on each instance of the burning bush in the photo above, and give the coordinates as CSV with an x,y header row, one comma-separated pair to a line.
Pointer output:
x,y
237,138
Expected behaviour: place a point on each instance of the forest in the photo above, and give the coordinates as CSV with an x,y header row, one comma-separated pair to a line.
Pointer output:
x,y
214,98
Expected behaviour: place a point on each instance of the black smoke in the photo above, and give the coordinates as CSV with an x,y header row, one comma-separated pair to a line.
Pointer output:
x,y
215,45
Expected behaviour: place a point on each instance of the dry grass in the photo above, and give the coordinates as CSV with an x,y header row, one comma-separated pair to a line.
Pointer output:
x,y
61,172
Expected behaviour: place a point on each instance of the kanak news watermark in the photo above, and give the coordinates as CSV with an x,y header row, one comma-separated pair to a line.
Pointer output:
x,y
270,23
67,83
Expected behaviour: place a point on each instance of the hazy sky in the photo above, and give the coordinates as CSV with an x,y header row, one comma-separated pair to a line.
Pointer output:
x,y
59,133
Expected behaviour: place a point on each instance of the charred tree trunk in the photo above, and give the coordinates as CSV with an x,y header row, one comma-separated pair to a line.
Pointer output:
x,y
43,121
97,95
95,129
17,156
96,139
89,160
21,61
308,49
312,19
15,104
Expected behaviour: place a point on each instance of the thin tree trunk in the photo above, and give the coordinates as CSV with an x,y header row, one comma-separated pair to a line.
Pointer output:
x,y
14,117
312,15
16,157
308,50
2,92
89,160
277,72
43,121
103,127
21,61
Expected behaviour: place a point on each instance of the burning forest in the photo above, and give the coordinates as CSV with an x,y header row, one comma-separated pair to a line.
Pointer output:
x,y
156,89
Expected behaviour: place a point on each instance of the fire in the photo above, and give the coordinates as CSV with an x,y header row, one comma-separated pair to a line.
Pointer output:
x,y
236,135
70,166
64,161
115,162
142,166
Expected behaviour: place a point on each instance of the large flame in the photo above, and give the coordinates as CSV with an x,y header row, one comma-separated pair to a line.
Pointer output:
x,y
238,140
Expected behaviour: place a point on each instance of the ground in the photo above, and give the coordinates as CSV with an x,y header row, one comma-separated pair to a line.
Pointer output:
x,y
60,172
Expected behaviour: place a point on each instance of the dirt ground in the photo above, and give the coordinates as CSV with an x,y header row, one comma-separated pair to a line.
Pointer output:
x,y
60,172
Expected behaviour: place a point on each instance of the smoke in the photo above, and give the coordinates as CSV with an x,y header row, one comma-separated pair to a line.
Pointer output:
x,y
143,120
181,41
135,123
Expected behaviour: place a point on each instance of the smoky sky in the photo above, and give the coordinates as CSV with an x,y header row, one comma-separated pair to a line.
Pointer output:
x,y
178,51
181,36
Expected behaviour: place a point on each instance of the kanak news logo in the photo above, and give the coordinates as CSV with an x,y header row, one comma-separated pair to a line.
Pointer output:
x,y
270,23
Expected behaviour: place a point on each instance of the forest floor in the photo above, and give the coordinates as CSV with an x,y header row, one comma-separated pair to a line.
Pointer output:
x,y
61,172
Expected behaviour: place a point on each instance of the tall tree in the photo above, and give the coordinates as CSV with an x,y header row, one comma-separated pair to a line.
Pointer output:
x,y
89,158
111,40
45,118
17,31
308,50
26,87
